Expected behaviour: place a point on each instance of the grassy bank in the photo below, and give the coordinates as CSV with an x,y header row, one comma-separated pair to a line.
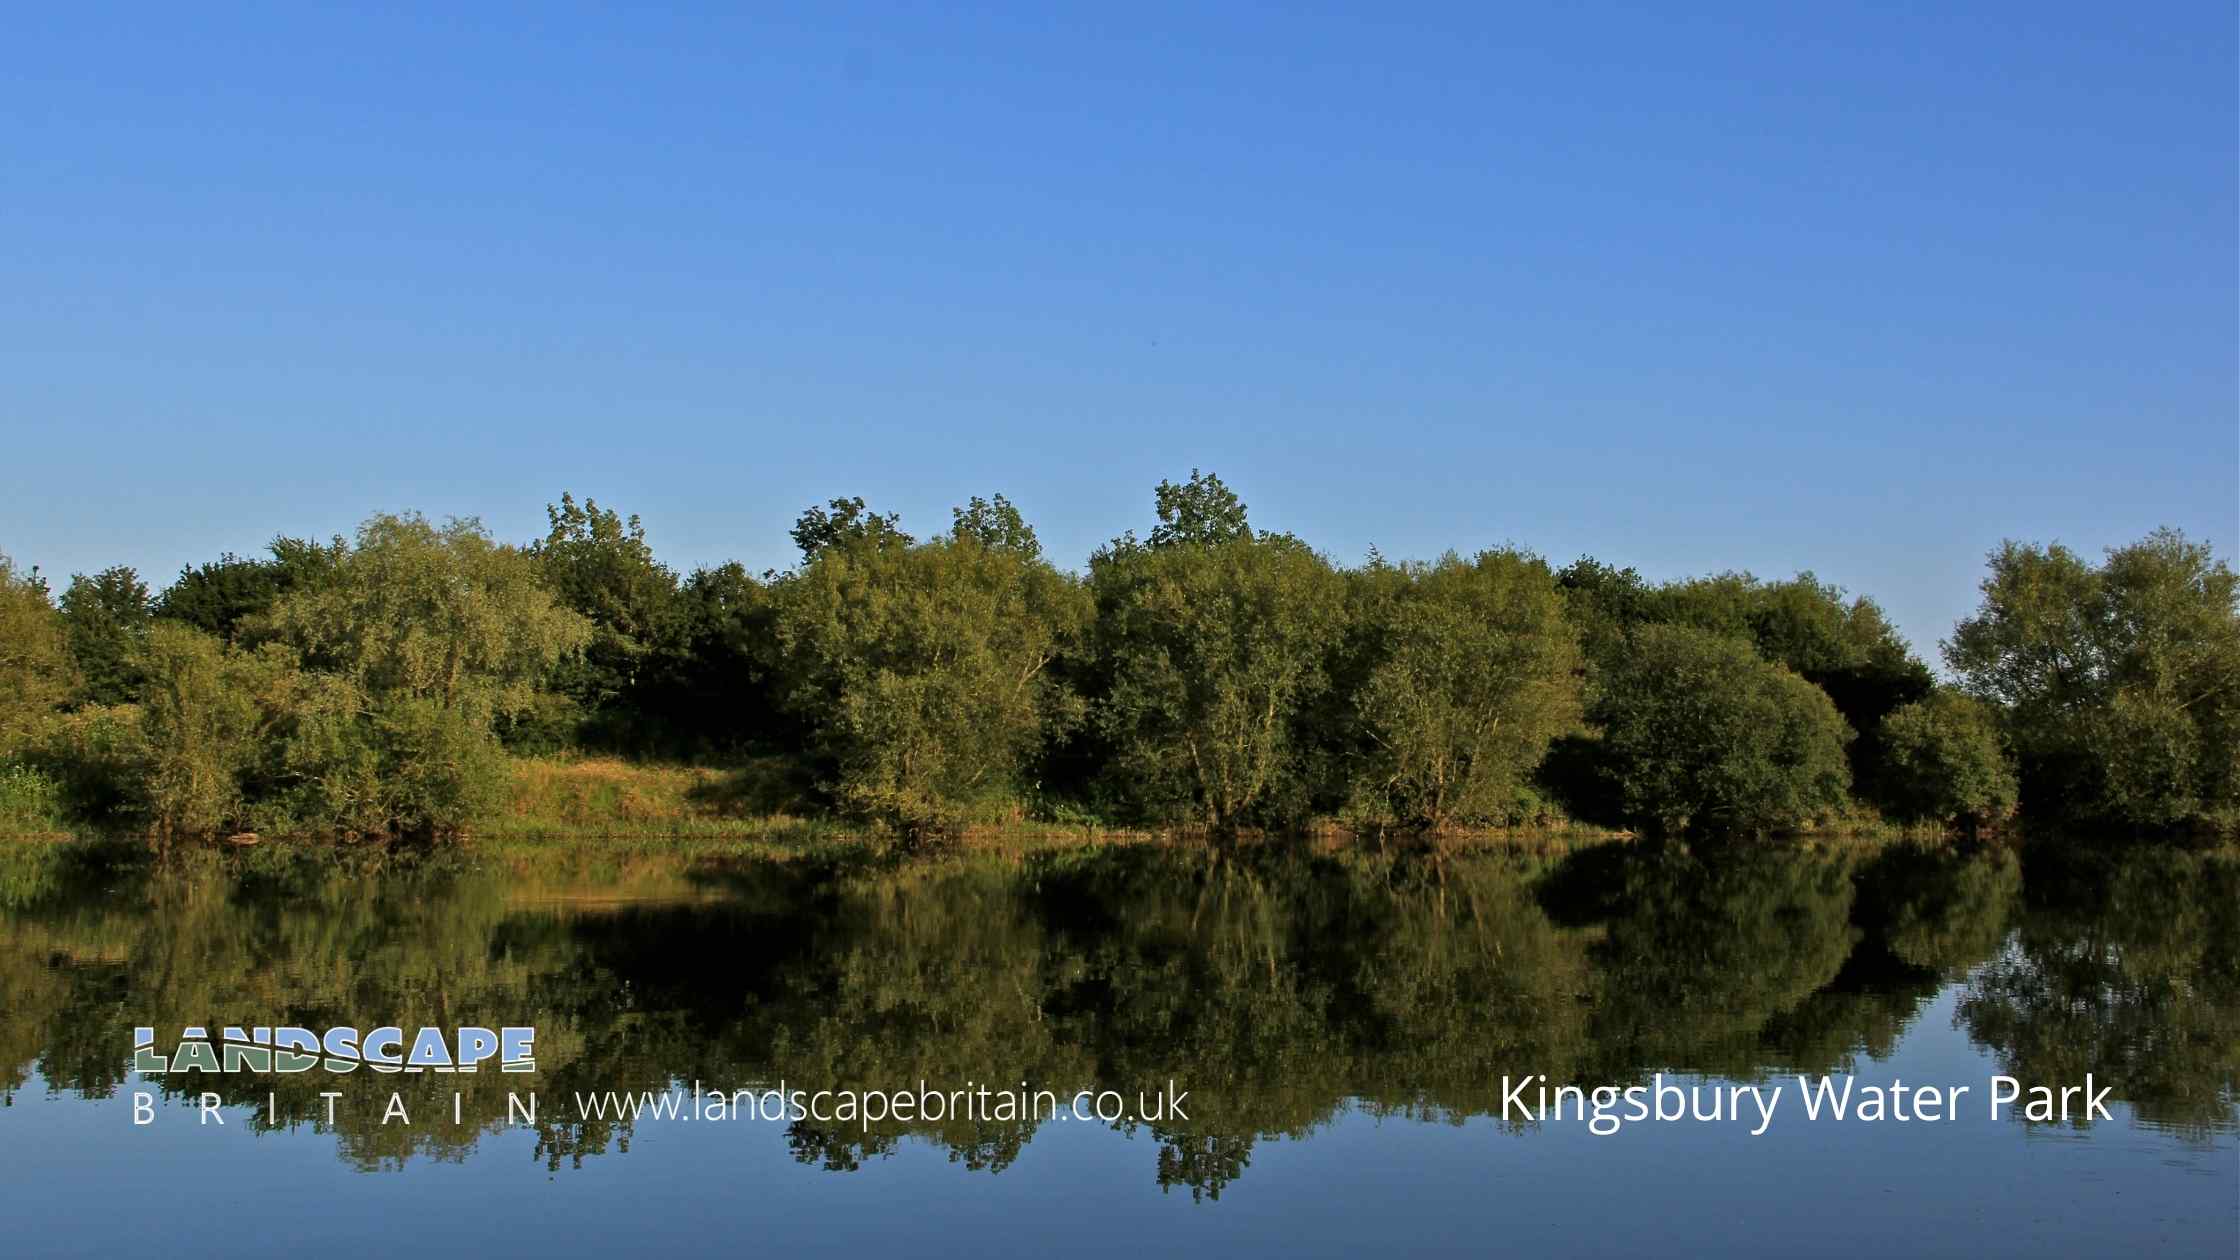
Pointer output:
x,y
609,812
610,798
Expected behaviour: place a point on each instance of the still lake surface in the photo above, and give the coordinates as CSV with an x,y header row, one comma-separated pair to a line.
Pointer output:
x,y
1342,1022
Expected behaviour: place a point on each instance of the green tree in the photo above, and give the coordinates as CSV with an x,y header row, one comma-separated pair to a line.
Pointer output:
x,y
600,566
1699,733
996,524
1201,512
1475,671
845,520
107,617
1210,655
35,669
2120,684
211,717
224,596
1604,604
921,671
431,612
1945,761
424,637
1845,647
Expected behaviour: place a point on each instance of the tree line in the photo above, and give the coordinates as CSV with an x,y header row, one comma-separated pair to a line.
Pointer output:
x,y
1207,674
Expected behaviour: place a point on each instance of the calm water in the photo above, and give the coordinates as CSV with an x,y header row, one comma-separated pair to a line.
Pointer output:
x,y
1342,1025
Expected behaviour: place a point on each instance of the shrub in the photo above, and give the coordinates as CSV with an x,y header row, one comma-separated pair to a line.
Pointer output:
x,y
1944,761
2119,684
1700,733
411,767
35,672
1212,654
418,640
97,758
211,713
30,801
1472,670
920,670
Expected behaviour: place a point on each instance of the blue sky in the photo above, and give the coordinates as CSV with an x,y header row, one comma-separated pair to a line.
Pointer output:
x,y
1843,287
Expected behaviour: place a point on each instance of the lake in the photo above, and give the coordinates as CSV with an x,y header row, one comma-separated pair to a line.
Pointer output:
x,y
1351,1035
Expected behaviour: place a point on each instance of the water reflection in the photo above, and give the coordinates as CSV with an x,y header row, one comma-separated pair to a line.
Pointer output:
x,y
1279,985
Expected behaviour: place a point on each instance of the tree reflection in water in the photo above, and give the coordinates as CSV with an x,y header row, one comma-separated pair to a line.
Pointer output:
x,y
1278,985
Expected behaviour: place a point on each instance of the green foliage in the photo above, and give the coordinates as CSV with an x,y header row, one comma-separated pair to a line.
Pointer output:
x,y
1209,673
223,597
35,670
1472,671
1700,733
1945,761
211,717
413,766
599,565
1846,648
1603,604
415,611
920,672
422,638
368,700
1211,654
996,525
106,617
1203,512
2120,683
97,757
30,801
845,521
714,692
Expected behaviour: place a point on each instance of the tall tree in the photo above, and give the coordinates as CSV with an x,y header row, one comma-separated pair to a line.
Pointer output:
x,y
845,520
35,670
1604,603
1700,733
429,612
599,565
922,671
2120,683
1210,652
996,524
107,617
223,597
423,637
1200,512
1474,672
213,717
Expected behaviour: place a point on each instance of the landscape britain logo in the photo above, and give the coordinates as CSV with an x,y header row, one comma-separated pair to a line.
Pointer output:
x,y
291,1050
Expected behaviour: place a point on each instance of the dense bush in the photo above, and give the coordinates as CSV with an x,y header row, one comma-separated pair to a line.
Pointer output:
x,y
210,714
1469,670
1945,761
30,801
2119,684
1701,734
1212,646
1845,647
598,565
220,597
920,670
36,674
96,756
106,617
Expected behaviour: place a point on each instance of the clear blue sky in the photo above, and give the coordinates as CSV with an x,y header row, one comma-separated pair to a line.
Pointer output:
x,y
1840,287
